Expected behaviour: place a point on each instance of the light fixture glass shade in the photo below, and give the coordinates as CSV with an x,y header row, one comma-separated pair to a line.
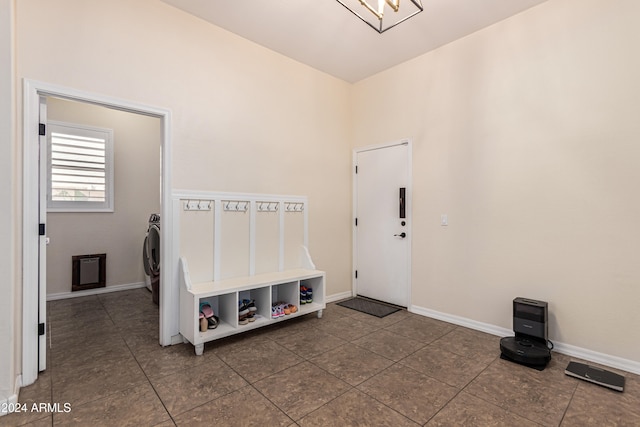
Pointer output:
x,y
382,15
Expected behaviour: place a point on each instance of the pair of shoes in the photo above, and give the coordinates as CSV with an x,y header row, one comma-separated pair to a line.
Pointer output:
x,y
206,312
277,310
306,295
292,308
246,311
286,308
280,309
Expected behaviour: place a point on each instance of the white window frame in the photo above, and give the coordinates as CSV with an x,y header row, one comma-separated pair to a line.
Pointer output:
x,y
81,205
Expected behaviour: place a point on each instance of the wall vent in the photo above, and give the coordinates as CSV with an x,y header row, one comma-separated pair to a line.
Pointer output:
x,y
88,272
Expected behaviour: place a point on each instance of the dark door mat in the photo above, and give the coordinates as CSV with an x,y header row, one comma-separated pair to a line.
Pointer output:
x,y
373,308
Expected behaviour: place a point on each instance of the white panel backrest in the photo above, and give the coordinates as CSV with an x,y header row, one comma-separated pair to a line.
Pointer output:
x,y
234,244
225,235
293,238
267,242
196,243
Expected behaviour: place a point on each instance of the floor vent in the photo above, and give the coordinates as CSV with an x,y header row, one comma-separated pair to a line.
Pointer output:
x,y
88,272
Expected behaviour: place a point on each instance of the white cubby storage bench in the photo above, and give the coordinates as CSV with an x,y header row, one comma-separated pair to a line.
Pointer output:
x,y
242,246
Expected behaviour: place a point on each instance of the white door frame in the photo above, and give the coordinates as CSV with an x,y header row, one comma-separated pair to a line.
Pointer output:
x,y
409,205
32,90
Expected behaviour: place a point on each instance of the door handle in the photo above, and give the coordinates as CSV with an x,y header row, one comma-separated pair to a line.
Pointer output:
x,y
403,235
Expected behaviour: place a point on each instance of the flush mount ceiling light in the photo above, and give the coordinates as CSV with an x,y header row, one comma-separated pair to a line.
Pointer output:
x,y
383,14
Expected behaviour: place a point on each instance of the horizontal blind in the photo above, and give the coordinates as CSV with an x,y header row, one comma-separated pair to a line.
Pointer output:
x,y
78,168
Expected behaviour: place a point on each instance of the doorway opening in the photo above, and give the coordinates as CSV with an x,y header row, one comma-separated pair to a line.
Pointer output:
x,y
34,217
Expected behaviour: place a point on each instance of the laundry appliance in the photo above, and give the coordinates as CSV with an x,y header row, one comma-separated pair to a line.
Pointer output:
x,y
151,256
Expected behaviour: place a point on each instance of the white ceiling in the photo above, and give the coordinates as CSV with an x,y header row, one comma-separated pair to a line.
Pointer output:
x,y
326,36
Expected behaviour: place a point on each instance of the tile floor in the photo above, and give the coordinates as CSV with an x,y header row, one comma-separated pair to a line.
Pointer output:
x,y
346,369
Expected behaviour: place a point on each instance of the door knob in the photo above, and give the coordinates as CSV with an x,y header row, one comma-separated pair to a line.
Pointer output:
x,y
403,235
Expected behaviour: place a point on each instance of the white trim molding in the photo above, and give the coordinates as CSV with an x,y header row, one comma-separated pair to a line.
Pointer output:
x,y
568,349
338,296
409,209
13,399
96,291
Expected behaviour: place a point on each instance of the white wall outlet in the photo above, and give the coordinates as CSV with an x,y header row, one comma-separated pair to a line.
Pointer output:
x,y
444,220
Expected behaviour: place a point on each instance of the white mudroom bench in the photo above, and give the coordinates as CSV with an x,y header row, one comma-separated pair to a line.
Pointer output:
x,y
265,288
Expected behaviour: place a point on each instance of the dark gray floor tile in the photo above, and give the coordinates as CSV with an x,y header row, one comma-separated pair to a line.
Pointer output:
x,y
595,405
471,344
310,342
134,406
469,411
259,359
457,371
301,389
519,392
346,327
421,329
355,408
390,345
351,363
414,395
244,407
192,387
81,384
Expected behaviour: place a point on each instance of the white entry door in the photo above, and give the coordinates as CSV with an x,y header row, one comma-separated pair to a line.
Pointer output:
x,y
382,227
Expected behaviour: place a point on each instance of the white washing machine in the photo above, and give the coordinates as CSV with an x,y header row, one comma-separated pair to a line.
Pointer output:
x,y
151,256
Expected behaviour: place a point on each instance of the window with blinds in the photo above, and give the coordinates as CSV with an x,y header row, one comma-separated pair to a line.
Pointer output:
x,y
80,168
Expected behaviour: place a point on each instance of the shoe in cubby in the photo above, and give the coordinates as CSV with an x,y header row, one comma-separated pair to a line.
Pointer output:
x,y
250,305
243,309
276,311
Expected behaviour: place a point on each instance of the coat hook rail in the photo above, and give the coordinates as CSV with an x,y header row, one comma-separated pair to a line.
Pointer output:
x,y
235,205
267,206
196,205
293,207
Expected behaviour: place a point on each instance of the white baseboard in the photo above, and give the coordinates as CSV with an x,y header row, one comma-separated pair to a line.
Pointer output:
x,y
96,291
568,349
11,400
177,339
461,321
338,297
596,357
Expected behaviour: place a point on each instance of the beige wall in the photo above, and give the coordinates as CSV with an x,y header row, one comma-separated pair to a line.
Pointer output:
x,y
526,135
9,339
244,119
120,233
